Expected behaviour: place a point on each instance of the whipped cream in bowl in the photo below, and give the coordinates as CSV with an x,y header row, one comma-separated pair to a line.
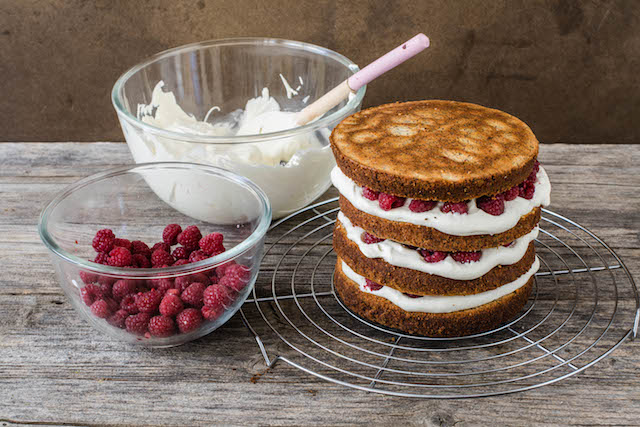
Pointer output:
x,y
232,103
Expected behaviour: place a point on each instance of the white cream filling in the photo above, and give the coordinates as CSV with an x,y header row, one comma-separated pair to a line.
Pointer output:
x,y
475,222
399,255
441,304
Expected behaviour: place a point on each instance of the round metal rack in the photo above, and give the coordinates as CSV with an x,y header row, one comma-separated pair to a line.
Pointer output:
x,y
584,305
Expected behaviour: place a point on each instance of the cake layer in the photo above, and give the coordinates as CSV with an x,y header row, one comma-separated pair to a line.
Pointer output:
x,y
474,222
438,303
452,324
400,255
416,282
435,150
426,237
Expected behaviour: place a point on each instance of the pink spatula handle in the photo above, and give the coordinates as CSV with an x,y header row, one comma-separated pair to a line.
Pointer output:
x,y
388,61
352,84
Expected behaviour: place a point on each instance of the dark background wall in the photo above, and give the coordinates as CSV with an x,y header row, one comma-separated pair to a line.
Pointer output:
x,y
571,69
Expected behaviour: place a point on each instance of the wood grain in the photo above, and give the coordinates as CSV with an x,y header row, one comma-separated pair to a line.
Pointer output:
x,y
55,370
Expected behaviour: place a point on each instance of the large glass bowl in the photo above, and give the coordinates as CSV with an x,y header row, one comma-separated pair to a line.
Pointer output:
x,y
129,201
225,74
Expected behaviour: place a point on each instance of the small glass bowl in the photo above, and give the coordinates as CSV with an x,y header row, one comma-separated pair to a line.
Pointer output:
x,y
132,201
226,74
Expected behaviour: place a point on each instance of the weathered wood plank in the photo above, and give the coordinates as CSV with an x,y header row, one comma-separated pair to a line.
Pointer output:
x,y
53,369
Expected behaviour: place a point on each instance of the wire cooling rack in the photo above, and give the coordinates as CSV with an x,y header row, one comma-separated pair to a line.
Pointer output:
x,y
584,305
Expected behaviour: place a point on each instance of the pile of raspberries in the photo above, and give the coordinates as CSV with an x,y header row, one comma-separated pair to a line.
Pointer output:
x,y
165,306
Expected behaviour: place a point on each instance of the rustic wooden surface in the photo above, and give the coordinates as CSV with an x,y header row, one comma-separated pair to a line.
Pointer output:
x,y
55,370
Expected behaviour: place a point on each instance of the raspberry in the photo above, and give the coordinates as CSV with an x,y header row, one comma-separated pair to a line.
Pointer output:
x,y
180,253
239,271
161,257
161,245
162,285
370,194
526,190
101,309
212,243
212,313
190,237
220,270
123,288
137,323
214,278
182,282
119,257
413,296
161,326
460,207
181,262
432,256
103,241
509,244
90,293
491,205
218,296
101,258
388,201
511,193
193,294
203,278
233,282
129,304
113,306
140,247
189,320
466,257
370,239
107,279
198,256
420,206
140,261
105,288
171,305
170,234
372,286
122,243
87,277
148,302
117,319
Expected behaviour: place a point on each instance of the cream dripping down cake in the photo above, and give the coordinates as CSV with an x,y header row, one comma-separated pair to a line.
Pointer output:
x,y
440,203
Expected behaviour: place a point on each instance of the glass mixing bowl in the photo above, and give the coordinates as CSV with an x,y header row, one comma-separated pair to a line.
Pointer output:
x,y
226,74
129,201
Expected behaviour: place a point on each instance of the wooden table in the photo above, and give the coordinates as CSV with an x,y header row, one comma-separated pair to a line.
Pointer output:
x,y
55,370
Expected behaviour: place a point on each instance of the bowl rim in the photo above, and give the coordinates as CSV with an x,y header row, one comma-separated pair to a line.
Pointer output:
x,y
323,122
140,273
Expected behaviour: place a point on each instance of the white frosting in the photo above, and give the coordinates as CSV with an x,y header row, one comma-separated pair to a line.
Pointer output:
x,y
438,303
261,115
399,255
475,222
292,171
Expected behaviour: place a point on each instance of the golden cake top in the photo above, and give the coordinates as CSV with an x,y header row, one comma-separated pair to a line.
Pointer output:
x,y
435,150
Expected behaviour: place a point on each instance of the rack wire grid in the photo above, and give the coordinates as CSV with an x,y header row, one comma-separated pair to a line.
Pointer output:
x,y
584,305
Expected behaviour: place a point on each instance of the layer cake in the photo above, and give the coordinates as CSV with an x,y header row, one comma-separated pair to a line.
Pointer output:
x,y
440,203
